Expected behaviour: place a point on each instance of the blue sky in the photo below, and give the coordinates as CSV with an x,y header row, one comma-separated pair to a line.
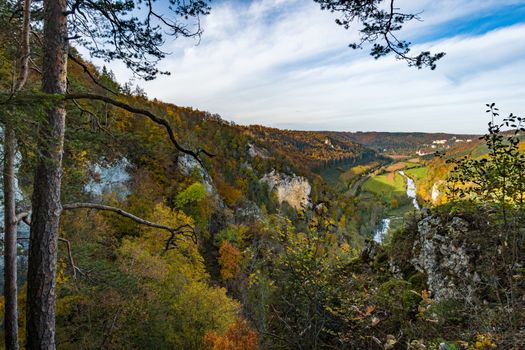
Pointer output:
x,y
286,64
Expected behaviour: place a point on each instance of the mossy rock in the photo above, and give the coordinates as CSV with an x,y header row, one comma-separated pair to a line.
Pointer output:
x,y
397,296
418,281
450,312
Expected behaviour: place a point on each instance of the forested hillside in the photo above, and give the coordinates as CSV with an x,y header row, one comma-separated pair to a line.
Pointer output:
x,y
117,275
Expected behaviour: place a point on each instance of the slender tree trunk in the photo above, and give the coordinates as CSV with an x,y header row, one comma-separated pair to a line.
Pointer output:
x,y
10,222
41,291
25,49
10,233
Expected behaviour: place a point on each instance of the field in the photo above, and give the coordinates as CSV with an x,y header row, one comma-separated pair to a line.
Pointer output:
x,y
388,185
417,174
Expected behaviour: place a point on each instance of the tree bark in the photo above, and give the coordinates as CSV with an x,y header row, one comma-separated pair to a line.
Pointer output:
x,y
10,245
23,59
41,291
10,220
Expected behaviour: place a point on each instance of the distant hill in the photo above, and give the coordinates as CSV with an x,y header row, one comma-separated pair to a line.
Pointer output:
x,y
315,149
398,142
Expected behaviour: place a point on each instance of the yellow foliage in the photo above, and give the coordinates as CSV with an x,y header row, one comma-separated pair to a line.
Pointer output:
x,y
145,256
485,342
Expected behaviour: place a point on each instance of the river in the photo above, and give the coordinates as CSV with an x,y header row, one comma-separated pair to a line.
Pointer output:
x,y
382,230
411,190
383,227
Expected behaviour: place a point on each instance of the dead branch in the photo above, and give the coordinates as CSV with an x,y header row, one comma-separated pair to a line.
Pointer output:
x,y
25,218
156,119
74,267
121,212
88,72
185,230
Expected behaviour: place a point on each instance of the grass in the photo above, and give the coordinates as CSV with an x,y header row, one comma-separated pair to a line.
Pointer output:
x,y
386,184
417,174
397,217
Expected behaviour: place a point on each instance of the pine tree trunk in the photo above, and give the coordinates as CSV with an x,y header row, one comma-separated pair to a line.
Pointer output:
x,y
41,291
10,244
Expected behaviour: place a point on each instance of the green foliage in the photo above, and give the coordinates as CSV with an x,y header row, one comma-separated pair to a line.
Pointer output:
x,y
376,28
500,176
234,234
399,297
449,312
298,276
194,193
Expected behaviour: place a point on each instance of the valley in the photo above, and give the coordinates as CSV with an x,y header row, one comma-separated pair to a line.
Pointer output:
x,y
134,216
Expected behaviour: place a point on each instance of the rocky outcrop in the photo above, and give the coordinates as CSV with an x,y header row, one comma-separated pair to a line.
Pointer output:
x,y
293,189
187,164
442,253
109,178
248,212
436,192
254,151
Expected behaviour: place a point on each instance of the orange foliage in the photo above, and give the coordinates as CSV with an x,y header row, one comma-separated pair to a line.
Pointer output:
x,y
396,167
230,194
239,336
394,203
229,260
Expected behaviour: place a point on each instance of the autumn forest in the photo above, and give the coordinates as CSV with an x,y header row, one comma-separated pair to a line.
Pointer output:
x,y
135,222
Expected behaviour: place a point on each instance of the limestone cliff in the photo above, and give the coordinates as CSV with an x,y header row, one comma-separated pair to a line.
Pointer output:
x,y
293,189
442,252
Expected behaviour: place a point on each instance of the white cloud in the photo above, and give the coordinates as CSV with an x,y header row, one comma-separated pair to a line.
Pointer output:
x,y
285,63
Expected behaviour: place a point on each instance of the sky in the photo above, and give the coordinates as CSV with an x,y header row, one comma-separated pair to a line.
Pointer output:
x,y
286,64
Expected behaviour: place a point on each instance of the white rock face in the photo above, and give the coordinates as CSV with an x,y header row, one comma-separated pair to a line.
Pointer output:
x,y
295,190
441,253
436,192
109,179
254,151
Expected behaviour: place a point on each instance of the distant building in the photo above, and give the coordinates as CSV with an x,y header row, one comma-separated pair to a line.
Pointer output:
x,y
439,142
422,153
328,142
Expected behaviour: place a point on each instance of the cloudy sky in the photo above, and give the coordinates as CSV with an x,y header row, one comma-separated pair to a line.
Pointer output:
x,y
286,64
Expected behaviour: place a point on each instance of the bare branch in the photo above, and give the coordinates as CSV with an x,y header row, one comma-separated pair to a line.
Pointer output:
x,y
24,216
87,71
121,212
74,267
158,120
185,230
